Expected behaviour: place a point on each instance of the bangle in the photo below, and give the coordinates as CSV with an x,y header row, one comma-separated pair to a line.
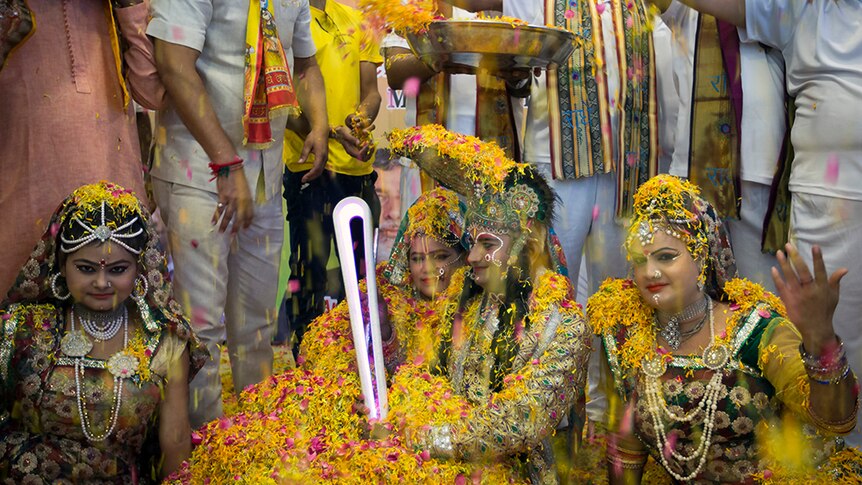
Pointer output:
x,y
830,368
830,379
843,426
224,169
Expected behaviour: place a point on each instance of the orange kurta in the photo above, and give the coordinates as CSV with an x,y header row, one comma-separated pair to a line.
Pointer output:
x,y
62,119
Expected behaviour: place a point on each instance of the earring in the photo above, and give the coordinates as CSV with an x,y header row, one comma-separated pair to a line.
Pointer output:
x,y
141,288
699,285
55,291
656,275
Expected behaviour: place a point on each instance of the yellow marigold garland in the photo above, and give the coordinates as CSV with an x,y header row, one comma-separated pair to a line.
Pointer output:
x,y
482,162
138,349
429,216
275,436
90,197
407,16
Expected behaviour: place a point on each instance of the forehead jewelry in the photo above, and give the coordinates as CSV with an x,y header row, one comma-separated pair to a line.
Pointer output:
x,y
103,233
442,269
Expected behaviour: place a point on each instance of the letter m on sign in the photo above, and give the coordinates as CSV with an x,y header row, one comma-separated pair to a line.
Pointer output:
x,y
396,99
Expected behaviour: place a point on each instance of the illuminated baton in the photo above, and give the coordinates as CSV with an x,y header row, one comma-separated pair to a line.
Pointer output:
x,y
342,215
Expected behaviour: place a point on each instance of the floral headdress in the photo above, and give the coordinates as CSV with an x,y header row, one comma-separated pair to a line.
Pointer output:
x,y
503,196
106,212
672,205
437,214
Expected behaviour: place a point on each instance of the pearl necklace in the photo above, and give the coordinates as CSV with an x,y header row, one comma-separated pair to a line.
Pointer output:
x,y
102,326
121,365
715,357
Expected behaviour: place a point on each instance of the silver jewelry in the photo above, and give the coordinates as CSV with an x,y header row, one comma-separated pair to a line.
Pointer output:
x,y
442,269
670,330
55,291
830,369
75,344
122,366
102,326
220,205
656,275
715,357
103,233
110,284
140,282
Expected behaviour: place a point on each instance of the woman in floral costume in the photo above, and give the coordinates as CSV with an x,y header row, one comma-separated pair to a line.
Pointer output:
x,y
95,357
712,371
427,251
480,388
515,346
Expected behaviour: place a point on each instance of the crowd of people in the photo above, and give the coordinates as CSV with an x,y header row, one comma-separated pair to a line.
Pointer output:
x,y
691,175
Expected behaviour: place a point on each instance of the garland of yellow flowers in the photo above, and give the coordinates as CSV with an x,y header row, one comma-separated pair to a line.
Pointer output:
x,y
618,304
89,198
276,438
418,399
483,163
407,16
429,216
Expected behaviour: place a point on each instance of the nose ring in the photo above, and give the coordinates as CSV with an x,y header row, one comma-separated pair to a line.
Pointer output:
x,y
110,284
487,257
656,275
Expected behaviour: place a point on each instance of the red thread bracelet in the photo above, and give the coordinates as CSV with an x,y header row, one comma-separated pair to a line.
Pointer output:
x,y
224,169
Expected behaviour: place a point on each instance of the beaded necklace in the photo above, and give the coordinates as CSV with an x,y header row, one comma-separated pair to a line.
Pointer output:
x,y
715,357
122,365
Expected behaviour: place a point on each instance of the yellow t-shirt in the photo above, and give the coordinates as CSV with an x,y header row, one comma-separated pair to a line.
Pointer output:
x,y
342,43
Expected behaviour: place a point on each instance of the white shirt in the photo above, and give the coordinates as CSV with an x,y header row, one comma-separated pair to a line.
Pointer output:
x,y
821,41
763,115
216,29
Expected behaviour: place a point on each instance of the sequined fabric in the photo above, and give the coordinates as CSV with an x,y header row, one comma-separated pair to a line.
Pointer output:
x,y
547,378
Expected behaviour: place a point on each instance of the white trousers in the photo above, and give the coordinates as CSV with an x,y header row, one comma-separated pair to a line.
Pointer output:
x,y
835,225
591,235
745,236
218,275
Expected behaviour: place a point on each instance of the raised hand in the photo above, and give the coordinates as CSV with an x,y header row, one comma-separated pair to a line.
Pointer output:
x,y
810,299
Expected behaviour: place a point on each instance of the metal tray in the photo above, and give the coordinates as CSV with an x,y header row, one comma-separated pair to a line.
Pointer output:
x,y
465,45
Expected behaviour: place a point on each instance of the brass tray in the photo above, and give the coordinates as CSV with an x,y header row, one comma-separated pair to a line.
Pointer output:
x,y
465,45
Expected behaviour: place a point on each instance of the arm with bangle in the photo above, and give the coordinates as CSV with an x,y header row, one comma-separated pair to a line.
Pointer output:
x,y
177,69
626,455
832,401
